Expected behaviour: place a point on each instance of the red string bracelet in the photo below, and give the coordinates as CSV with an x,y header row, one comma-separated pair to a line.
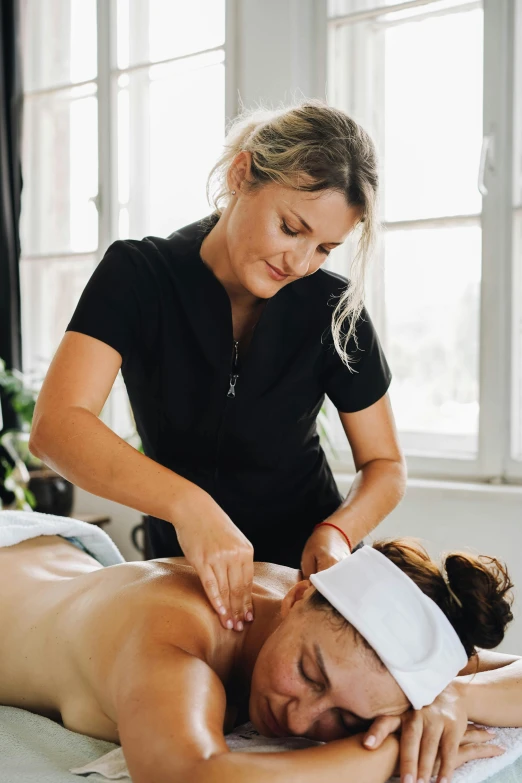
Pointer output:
x,y
331,524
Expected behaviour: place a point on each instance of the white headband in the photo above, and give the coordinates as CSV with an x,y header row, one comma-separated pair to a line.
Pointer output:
x,y
408,631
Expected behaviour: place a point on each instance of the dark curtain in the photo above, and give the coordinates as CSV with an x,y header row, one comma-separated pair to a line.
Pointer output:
x,y
10,189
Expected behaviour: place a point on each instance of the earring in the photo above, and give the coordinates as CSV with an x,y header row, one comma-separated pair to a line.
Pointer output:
x,y
233,192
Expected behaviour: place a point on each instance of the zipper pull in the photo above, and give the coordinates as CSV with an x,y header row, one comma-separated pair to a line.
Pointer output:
x,y
232,387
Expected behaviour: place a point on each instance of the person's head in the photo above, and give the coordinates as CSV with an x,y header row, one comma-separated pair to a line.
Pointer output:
x,y
314,642
290,186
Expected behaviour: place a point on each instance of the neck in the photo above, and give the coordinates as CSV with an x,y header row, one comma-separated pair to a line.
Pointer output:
x,y
267,618
214,254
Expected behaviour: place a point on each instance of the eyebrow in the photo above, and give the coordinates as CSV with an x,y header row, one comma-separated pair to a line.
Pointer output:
x,y
322,669
310,229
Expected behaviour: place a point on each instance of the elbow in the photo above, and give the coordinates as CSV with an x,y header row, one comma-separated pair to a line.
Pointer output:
x,y
41,437
33,445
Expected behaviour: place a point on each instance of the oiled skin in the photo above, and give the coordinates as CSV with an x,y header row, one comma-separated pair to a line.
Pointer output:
x,y
64,618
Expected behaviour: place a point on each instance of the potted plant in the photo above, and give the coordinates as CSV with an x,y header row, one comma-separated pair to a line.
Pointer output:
x,y
27,481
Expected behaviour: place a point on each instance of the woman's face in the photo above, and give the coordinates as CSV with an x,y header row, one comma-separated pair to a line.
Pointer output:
x,y
317,680
276,235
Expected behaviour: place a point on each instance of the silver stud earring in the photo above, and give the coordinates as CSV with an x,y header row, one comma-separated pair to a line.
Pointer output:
x,y
233,192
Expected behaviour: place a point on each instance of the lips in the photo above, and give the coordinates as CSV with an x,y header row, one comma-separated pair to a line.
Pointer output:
x,y
275,273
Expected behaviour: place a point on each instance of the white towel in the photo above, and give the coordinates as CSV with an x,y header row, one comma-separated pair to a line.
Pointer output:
x,y
246,739
18,526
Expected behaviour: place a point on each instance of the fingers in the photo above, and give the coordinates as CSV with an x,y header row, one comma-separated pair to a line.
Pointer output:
x,y
429,747
216,590
474,751
476,734
237,592
248,579
409,749
381,728
216,585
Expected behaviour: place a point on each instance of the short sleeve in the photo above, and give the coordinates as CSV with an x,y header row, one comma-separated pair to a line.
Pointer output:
x,y
369,377
109,308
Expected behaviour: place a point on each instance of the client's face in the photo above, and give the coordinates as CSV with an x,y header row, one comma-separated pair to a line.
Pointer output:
x,y
313,678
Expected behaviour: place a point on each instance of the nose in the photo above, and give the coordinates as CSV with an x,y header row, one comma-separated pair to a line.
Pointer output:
x,y
301,716
299,260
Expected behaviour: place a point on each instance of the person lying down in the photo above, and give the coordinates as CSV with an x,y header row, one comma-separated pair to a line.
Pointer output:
x,y
378,645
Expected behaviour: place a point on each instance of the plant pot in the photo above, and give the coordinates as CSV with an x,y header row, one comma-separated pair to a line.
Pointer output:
x,y
53,493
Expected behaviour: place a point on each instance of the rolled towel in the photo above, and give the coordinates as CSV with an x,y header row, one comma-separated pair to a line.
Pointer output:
x,y
112,766
18,526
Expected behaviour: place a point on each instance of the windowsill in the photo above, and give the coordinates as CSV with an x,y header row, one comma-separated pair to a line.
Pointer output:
x,y
460,489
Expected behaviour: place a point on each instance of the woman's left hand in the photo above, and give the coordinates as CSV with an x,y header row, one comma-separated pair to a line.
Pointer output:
x,y
436,730
325,547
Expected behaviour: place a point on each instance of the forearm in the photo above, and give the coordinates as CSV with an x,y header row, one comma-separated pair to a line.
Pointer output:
x,y
339,760
80,447
377,489
494,697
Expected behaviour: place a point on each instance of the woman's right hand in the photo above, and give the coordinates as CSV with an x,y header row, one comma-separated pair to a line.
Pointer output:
x,y
223,558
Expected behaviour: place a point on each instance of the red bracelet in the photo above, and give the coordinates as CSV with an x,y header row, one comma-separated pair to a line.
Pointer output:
x,y
331,524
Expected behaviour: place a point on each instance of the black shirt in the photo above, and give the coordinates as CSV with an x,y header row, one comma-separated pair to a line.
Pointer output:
x,y
257,452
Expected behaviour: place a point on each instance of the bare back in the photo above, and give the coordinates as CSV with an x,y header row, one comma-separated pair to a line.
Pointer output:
x,y
65,621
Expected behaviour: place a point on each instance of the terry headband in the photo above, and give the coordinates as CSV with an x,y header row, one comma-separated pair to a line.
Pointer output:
x,y
408,631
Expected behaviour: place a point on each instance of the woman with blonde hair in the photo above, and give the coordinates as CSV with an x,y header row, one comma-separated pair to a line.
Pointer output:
x,y
229,335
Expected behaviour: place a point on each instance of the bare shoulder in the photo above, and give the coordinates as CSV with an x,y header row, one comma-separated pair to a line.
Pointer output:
x,y
172,704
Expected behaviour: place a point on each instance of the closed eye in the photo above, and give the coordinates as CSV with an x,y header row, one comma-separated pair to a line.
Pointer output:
x,y
316,685
288,231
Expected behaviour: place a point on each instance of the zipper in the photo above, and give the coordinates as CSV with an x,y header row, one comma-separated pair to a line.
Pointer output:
x,y
234,375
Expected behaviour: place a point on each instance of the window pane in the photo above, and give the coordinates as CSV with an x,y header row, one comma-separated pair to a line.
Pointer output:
x,y
60,161
152,30
433,116
173,119
59,42
432,291
50,290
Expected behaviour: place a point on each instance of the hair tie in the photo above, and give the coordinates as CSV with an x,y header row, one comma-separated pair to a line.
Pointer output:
x,y
450,591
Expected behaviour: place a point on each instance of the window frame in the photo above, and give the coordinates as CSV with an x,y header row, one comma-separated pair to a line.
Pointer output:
x,y
493,461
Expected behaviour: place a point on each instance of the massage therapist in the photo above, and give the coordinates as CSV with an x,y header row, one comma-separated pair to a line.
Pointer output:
x,y
229,334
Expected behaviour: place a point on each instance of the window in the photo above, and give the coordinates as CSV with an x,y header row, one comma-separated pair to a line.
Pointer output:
x,y
445,276
124,117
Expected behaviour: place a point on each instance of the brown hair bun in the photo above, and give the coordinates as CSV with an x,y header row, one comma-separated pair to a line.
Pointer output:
x,y
472,590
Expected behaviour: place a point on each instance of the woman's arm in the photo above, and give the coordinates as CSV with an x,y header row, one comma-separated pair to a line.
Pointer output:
x,y
376,490
492,691
380,481
68,435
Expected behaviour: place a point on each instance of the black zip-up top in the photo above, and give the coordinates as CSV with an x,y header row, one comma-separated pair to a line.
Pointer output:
x,y
242,428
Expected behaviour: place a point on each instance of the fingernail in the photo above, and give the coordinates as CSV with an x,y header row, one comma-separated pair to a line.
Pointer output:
x,y
420,780
490,730
249,617
370,741
222,610
444,780
229,624
239,626
408,778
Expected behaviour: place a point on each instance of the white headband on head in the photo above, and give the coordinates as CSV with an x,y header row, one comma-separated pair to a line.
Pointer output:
x,y
408,631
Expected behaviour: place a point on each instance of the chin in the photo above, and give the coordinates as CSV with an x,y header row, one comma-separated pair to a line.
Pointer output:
x,y
262,287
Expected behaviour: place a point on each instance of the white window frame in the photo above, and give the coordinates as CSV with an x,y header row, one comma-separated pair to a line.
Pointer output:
x,y
106,200
493,462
